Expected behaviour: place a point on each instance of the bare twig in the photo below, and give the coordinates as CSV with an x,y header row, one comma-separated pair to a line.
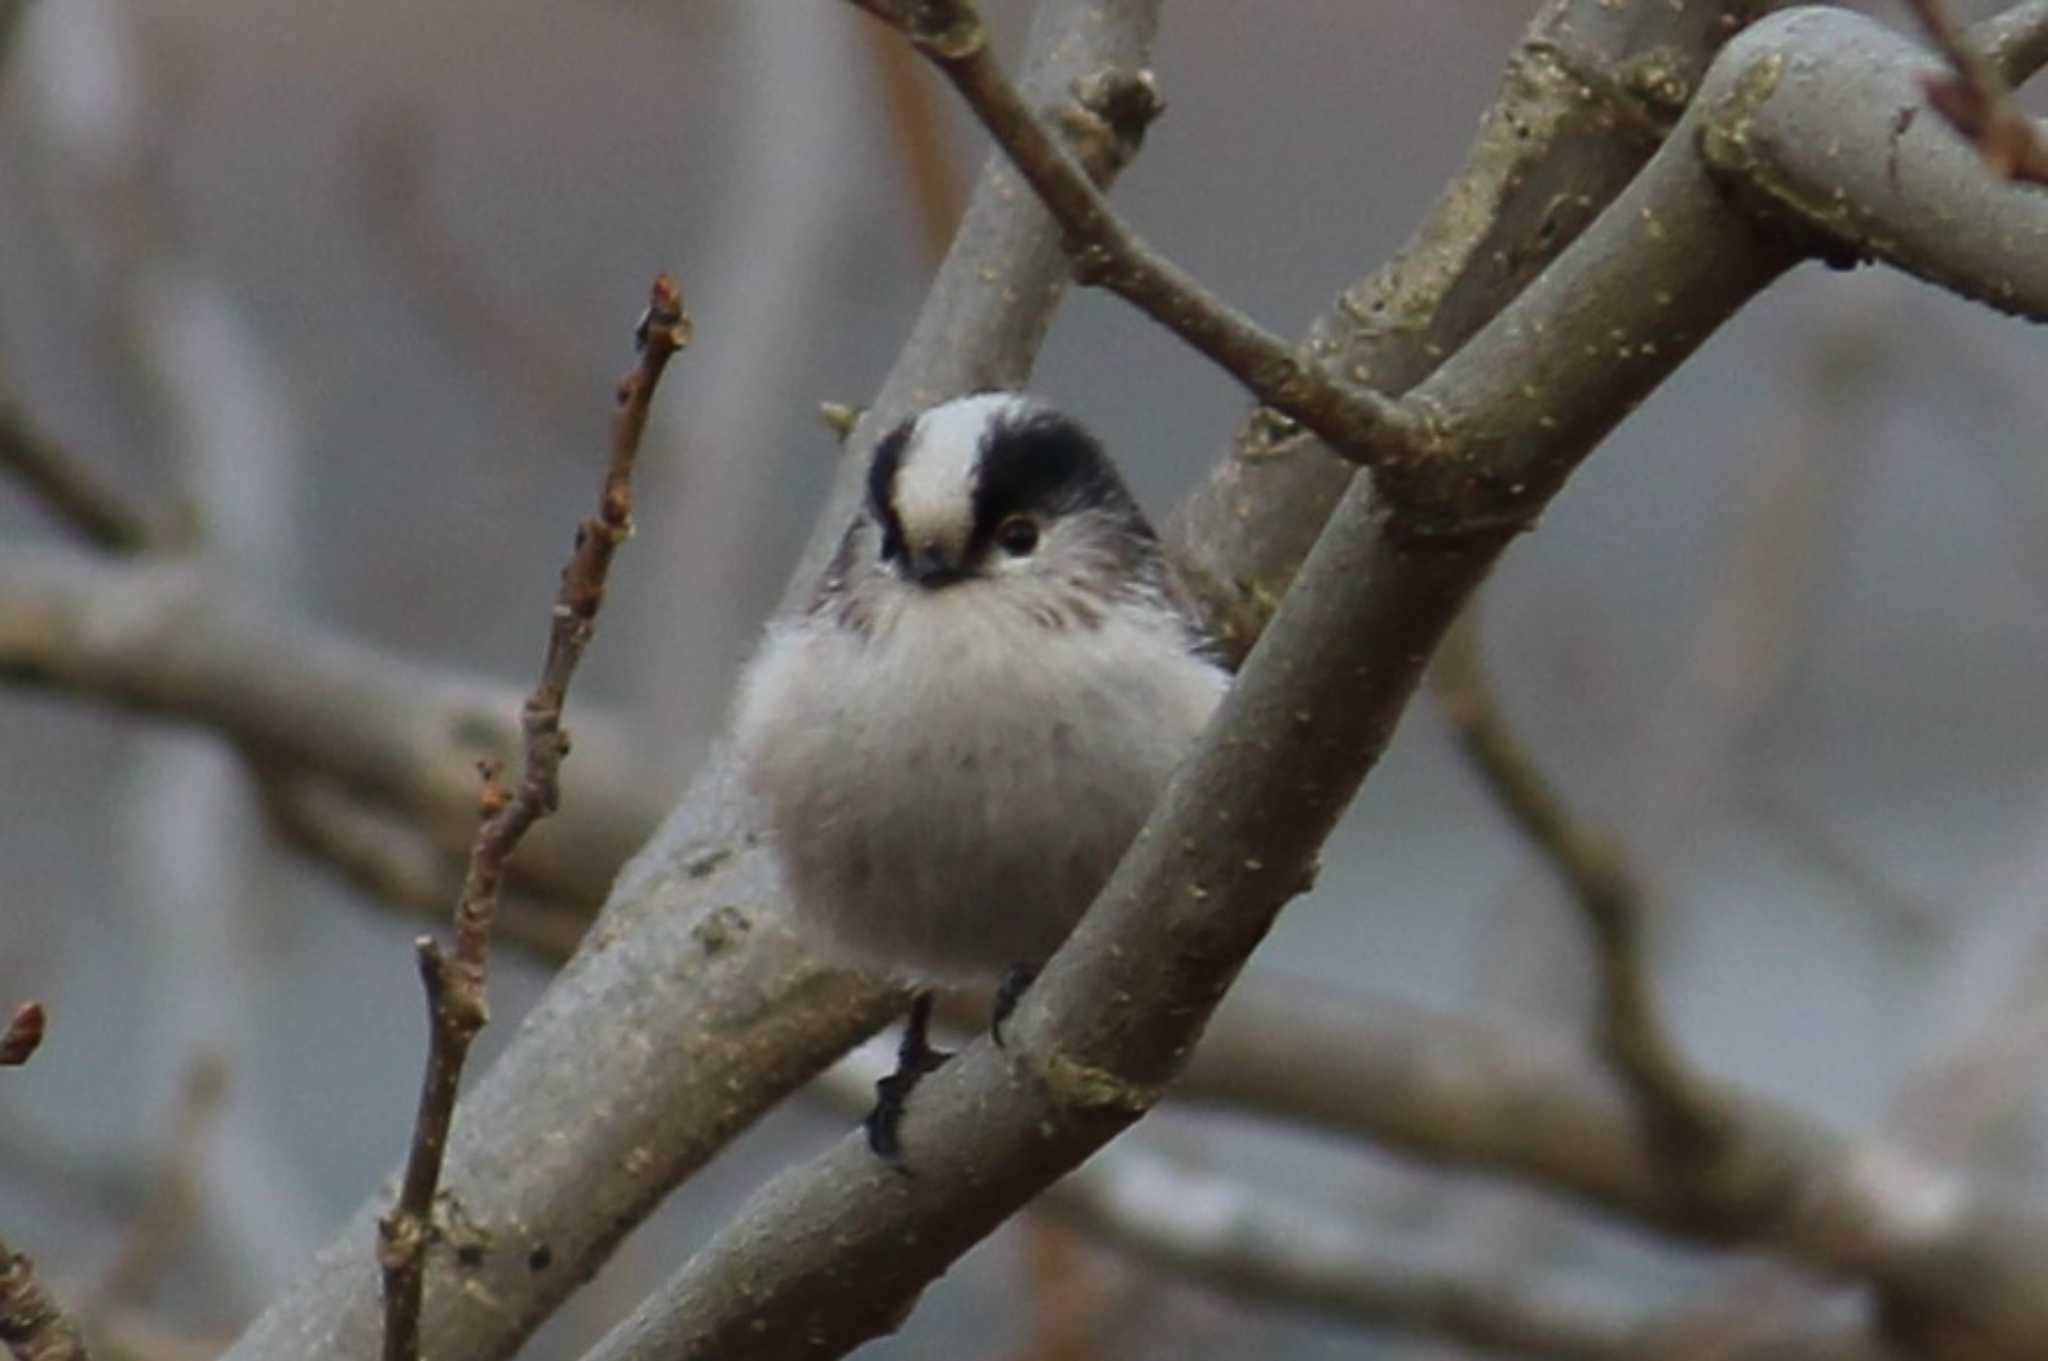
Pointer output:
x,y
33,1326
455,980
1975,100
1359,423
1457,1092
1988,1069
76,494
1680,1107
167,1212
23,1035
1909,920
1262,1245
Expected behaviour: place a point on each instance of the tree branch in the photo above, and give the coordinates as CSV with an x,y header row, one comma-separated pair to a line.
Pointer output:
x,y
33,1326
76,495
1357,422
2015,42
1975,101
1685,1114
167,1211
1882,185
455,979
1264,1247
1464,1094
1585,99
169,639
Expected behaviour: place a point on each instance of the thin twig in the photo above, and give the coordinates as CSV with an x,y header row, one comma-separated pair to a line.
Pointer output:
x,y
455,979
1975,100
1908,921
1262,1245
23,1035
166,1214
1358,423
33,1326
76,495
1680,1107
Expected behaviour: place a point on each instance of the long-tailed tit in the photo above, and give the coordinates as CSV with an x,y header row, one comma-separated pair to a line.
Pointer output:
x,y
957,740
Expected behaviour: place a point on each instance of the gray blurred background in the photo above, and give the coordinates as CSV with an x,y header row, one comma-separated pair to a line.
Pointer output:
x,y
355,281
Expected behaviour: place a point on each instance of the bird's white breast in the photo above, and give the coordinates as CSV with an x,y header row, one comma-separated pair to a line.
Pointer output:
x,y
949,789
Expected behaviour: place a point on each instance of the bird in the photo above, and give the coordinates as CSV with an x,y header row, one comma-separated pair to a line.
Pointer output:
x,y
955,742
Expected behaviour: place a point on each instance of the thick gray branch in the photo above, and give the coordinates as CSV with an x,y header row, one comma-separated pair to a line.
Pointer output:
x,y
1851,151
165,638
1584,101
1464,1094
2014,42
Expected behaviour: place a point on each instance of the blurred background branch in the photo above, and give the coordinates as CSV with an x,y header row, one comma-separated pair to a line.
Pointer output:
x,y
1828,778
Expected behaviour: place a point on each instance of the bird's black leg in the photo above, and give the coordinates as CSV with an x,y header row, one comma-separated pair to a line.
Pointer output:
x,y
914,1058
1009,991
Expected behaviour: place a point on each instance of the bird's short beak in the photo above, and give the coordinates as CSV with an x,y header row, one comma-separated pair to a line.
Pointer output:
x,y
931,565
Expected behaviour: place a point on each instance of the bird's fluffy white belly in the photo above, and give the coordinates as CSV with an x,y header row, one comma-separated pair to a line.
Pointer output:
x,y
949,792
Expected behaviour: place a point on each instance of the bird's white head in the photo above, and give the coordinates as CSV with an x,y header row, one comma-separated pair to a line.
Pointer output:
x,y
979,486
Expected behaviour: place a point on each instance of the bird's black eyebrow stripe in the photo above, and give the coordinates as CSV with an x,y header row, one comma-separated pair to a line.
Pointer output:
x,y
882,487
1047,463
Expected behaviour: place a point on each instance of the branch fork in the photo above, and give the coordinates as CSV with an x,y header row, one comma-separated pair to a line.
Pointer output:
x,y
1366,427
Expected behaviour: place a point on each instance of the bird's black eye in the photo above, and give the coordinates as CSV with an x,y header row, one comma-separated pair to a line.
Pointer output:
x,y
1018,535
